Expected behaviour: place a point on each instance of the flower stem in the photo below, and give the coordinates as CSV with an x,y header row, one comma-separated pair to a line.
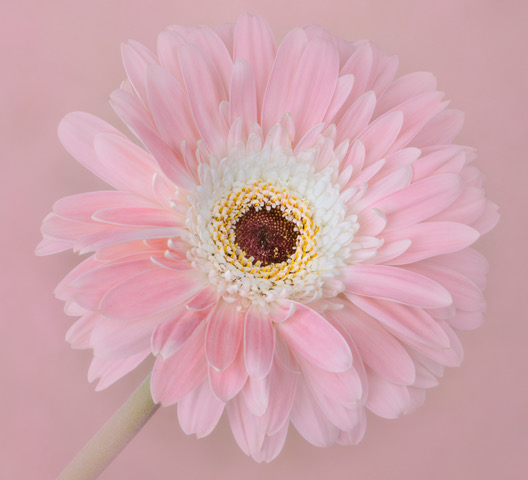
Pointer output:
x,y
113,437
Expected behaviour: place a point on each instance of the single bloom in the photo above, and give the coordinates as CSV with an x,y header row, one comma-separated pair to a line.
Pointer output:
x,y
292,241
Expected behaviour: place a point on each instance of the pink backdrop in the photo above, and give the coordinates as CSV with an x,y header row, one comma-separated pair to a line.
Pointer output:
x,y
63,55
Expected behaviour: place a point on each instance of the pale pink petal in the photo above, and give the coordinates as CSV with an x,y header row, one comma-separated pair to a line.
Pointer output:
x,y
420,200
77,132
199,411
226,384
171,335
379,136
256,395
396,284
80,208
130,300
354,436
244,426
466,295
344,387
170,108
176,376
387,399
310,335
440,130
271,445
127,166
359,64
206,92
253,41
212,45
225,330
357,117
315,82
136,59
78,335
410,321
114,339
110,371
378,348
243,95
134,115
282,384
430,239
309,420
259,343
280,85
405,88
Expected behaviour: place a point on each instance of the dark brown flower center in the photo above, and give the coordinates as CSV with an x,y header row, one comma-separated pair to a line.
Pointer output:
x,y
266,235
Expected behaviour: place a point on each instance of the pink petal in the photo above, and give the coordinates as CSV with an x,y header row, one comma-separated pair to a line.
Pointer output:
x,y
432,238
176,376
378,349
315,82
343,387
128,167
225,330
259,343
342,90
130,300
208,40
420,200
386,399
379,136
110,371
377,192
199,411
228,383
78,335
280,85
354,436
441,130
396,284
138,217
409,321
466,295
254,42
206,92
243,95
171,335
114,339
244,426
81,207
310,335
136,59
405,88
357,117
271,446
309,420
256,395
170,108
134,115
77,131
359,64
282,384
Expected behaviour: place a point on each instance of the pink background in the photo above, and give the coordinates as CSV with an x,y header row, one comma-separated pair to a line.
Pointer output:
x,y
64,55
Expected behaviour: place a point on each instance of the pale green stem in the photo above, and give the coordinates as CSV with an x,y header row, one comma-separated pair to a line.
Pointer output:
x,y
113,437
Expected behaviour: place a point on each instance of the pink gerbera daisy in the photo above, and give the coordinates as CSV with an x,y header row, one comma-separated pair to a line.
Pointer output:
x,y
292,245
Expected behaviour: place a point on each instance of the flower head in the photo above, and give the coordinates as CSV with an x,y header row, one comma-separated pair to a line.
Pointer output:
x,y
292,244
